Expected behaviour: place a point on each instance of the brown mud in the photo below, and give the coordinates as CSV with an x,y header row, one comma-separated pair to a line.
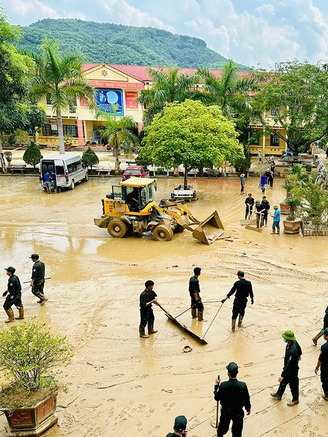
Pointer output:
x,y
121,385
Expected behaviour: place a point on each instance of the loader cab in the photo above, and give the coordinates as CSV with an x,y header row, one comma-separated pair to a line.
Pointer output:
x,y
137,193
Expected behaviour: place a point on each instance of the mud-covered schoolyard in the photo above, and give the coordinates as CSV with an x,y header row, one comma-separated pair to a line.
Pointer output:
x,y
123,386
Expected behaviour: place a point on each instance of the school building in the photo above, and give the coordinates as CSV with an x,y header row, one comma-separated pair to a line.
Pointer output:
x,y
120,85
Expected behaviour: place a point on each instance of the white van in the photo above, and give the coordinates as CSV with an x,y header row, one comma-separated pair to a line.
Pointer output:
x,y
69,170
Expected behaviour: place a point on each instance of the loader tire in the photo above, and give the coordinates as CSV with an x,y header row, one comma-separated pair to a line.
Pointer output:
x,y
117,228
162,233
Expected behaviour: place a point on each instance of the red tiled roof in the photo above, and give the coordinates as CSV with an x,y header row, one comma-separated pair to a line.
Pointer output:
x,y
140,72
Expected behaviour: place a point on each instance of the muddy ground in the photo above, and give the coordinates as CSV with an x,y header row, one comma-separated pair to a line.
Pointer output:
x,y
121,385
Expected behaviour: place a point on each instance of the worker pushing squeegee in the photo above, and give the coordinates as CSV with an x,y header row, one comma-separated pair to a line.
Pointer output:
x,y
243,289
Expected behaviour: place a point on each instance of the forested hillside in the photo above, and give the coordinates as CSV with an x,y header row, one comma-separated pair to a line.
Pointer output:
x,y
118,44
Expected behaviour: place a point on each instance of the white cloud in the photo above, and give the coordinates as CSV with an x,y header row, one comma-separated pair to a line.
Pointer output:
x,y
266,10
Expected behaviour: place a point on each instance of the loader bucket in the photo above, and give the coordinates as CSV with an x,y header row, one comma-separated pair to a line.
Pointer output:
x,y
209,230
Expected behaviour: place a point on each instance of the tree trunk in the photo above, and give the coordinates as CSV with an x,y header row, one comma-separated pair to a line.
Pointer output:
x,y
60,134
185,182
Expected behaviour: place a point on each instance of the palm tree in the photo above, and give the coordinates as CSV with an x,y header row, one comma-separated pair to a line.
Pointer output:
x,y
168,86
61,79
118,132
229,91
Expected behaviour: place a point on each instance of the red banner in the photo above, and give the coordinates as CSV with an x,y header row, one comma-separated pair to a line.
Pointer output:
x,y
131,101
121,85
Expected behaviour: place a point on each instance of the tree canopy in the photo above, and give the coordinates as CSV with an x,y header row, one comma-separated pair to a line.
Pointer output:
x,y
118,131
168,86
296,94
230,91
16,111
190,134
61,78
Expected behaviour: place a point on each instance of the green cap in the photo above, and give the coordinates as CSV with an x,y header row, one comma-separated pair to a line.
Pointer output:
x,y
289,335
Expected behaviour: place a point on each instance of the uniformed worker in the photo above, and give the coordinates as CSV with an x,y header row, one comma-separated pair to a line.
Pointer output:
x,y
243,289
179,427
323,365
233,396
194,291
147,298
289,374
37,278
13,296
325,325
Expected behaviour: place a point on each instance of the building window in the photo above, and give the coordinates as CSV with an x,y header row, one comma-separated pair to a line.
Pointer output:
x,y
274,140
274,111
51,130
70,130
48,99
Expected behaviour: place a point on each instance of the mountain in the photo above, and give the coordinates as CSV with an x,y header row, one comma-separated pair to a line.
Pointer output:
x,y
119,44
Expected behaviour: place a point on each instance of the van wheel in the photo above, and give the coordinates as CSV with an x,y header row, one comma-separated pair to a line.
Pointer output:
x,y
162,233
72,185
117,228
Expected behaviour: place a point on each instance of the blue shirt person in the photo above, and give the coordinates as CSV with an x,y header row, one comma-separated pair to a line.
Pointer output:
x,y
276,220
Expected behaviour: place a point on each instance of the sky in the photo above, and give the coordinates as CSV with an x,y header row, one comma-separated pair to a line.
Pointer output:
x,y
255,33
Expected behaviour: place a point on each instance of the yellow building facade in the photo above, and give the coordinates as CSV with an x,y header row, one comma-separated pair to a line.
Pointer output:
x,y
119,85
112,87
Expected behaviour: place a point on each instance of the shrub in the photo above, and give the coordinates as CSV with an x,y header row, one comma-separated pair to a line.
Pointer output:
x,y
28,353
89,158
32,154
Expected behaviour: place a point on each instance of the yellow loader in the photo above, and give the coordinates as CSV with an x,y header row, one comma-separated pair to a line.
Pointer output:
x,y
131,208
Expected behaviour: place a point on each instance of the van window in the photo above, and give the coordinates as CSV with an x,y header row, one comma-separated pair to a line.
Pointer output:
x,y
60,170
47,166
74,166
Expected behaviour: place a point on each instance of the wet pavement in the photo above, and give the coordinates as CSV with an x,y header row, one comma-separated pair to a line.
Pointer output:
x,y
122,385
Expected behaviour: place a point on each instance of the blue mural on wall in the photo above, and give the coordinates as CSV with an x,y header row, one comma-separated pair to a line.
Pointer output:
x,y
106,98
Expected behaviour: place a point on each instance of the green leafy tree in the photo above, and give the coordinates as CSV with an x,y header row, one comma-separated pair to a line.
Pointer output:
x,y
297,93
61,78
230,90
32,154
119,132
168,86
14,75
89,158
190,134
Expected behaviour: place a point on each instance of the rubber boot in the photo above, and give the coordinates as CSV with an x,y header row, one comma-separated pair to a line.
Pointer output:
x,y
240,320
142,333
193,313
43,300
21,313
233,325
11,316
151,329
200,316
316,338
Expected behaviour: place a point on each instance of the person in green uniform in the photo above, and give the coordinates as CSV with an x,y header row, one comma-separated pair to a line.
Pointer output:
x,y
289,374
234,397
179,427
243,289
147,298
194,291
323,365
37,278
13,295
325,325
